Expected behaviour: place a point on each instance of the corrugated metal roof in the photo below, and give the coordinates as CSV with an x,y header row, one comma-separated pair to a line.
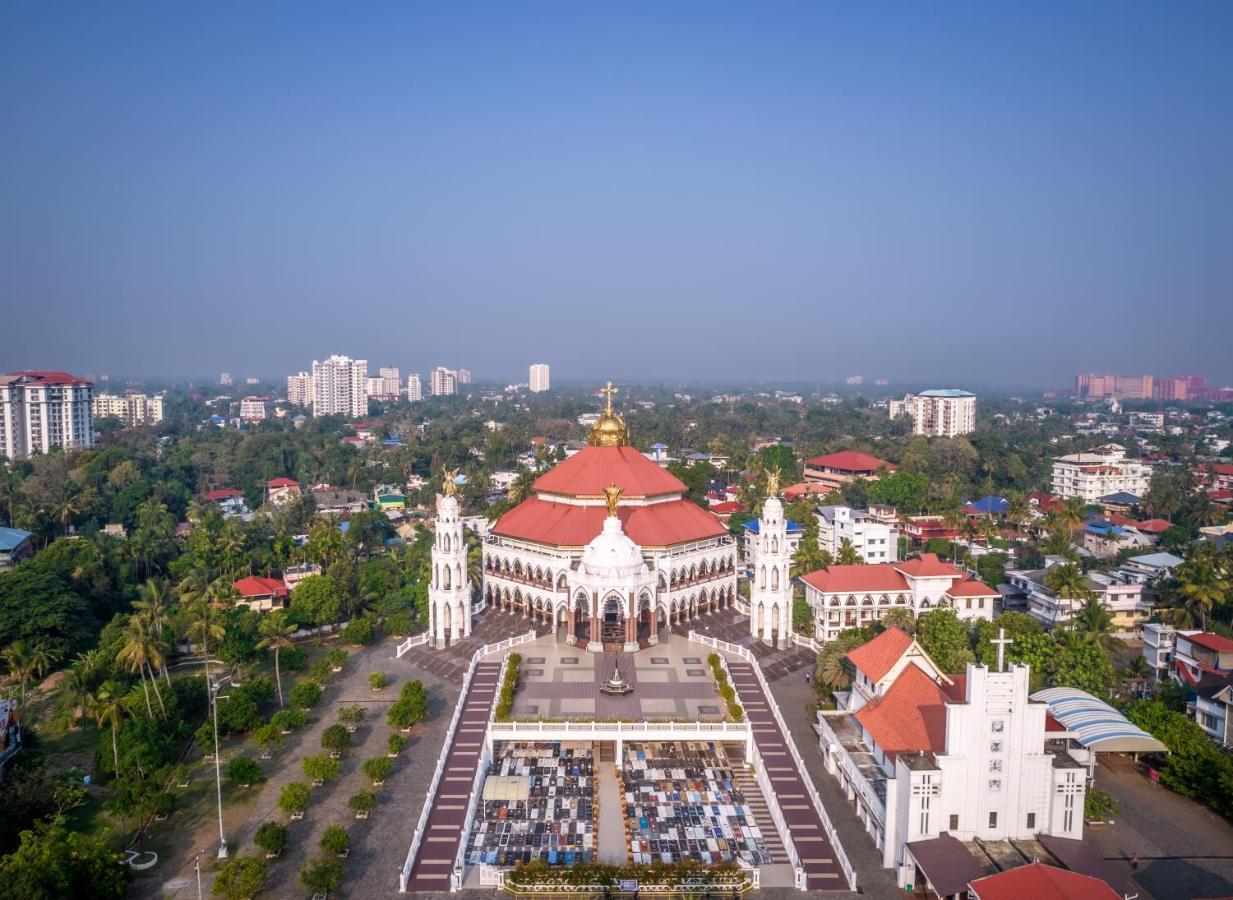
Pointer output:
x,y
1096,724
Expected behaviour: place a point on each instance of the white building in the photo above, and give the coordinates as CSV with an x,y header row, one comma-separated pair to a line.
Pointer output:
x,y
415,390
134,410
938,413
539,379
1158,643
254,409
464,376
225,379
41,410
340,387
300,389
844,597
770,590
873,539
1098,473
1128,608
444,382
392,379
449,594
920,753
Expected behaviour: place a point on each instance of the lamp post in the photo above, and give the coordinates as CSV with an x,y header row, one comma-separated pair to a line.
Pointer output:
x,y
218,776
197,866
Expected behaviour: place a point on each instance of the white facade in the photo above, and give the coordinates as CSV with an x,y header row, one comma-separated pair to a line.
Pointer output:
x,y
134,409
415,390
1128,609
254,409
464,376
392,379
40,411
1098,473
1158,641
449,594
340,387
444,382
938,413
770,592
300,389
539,378
873,539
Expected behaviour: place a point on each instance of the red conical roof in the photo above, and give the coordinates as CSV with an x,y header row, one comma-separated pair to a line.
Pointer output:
x,y
590,470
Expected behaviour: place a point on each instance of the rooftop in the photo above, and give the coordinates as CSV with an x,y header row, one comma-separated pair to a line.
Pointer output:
x,y
951,393
849,461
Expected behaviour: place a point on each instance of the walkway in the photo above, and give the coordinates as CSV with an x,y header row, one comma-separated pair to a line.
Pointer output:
x,y
804,824
733,627
613,848
446,827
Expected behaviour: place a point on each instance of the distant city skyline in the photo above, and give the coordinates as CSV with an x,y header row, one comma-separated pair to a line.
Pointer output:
x,y
994,196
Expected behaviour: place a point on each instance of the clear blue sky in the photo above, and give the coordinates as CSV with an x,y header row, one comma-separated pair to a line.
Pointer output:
x,y
965,193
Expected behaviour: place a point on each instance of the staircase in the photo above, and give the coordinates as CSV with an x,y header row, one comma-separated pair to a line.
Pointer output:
x,y
744,782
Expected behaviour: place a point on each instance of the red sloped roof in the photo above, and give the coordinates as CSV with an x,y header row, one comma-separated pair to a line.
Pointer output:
x,y
282,482
970,587
1154,526
1042,882
927,565
566,525
591,469
728,506
857,579
878,656
849,461
1211,641
48,376
255,586
910,717
1222,468
222,494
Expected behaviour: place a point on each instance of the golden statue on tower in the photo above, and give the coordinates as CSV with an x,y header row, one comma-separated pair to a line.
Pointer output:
x,y
772,482
449,479
612,494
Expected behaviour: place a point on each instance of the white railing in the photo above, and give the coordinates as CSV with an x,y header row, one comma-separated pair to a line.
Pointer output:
x,y
828,740
840,856
772,804
741,606
415,641
612,730
801,641
491,876
508,642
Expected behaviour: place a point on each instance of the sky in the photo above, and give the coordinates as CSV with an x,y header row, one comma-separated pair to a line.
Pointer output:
x,y
958,193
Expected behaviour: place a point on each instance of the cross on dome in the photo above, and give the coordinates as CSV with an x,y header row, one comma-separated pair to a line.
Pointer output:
x,y
609,390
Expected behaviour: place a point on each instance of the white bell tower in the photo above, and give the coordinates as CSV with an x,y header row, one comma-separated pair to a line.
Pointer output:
x,y
449,595
770,592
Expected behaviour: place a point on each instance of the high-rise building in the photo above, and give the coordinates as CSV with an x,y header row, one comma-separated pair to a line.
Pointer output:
x,y
1098,473
393,382
225,379
539,378
300,389
1090,386
340,387
254,409
464,376
415,391
939,413
444,382
43,410
133,409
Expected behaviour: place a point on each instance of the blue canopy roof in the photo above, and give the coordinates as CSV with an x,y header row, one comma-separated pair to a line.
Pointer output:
x,y
752,526
1096,724
990,504
12,538
1120,497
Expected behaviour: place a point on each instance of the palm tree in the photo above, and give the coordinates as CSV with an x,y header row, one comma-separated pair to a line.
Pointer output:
x,y
153,603
1018,510
523,486
848,556
74,691
107,710
1201,585
68,506
19,659
1067,582
832,672
953,518
277,633
204,629
142,651
43,658
1070,514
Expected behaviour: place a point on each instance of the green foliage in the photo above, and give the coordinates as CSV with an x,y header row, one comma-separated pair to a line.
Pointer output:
x,y
399,624
243,770
362,801
377,680
335,840
378,768
272,837
538,874
306,694
335,738
293,797
316,600
321,767
336,658
505,699
1195,767
903,490
359,631
53,862
396,743
289,719
351,715
323,875
735,711
945,639
241,878
293,659
1100,806
268,737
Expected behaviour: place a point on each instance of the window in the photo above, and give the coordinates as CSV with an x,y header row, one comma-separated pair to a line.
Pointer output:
x,y
993,820
1209,722
997,726
1031,822
954,823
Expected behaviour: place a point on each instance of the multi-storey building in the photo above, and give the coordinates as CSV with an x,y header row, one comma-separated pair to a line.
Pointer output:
x,y
1090,386
415,390
834,470
874,540
392,387
40,411
938,413
340,387
300,389
444,382
1123,598
134,409
254,409
539,380
464,376
1101,471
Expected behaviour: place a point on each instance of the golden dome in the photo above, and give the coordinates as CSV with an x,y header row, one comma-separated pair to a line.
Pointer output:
x,y
609,429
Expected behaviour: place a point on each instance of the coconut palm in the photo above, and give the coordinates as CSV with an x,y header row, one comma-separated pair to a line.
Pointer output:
x,y
74,692
523,486
44,658
107,710
154,602
832,672
847,554
1070,514
1067,582
1018,510
1201,585
204,629
277,633
18,656
142,651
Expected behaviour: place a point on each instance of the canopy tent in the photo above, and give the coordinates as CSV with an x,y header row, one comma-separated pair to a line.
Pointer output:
x,y
1096,725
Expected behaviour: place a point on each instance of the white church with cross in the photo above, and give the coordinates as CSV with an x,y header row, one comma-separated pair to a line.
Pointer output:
x,y
921,753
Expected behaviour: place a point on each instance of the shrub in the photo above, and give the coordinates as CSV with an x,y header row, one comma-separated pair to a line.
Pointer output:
x,y
335,738
272,837
378,768
377,680
351,715
505,699
321,768
289,719
399,623
294,797
323,875
268,737
203,737
1100,806
337,658
320,671
359,631
306,694
335,840
726,691
241,878
364,801
293,659
243,770
397,742
410,707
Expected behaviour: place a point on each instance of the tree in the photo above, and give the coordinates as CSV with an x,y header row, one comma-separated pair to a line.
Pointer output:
x,y
241,878
1066,582
1201,584
335,739
143,651
305,694
272,837
362,801
351,716
359,631
276,635
335,840
19,659
293,797
945,639
1016,625
243,770
900,617
377,680
321,768
53,862
268,737
410,707
323,875
847,555
378,768
107,710
523,486
317,600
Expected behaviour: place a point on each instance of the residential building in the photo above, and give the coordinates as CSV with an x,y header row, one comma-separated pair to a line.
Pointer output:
x,y
539,380
392,388
42,410
1101,471
1105,539
15,545
464,376
134,409
225,379
1128,608
938,413
230,501
293,575
1090,386
922,754
1149,568
281,491
335,502
300,389
444,382
834,470
875,541
261,594
1197,652
415,391
844,597
1213,707
340,387
254,409
1158,643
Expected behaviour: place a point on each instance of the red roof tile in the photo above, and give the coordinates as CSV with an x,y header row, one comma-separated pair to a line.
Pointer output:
x,y
282,482
910,717
255,586
44,376
591,469
221,494
567,525
878,656
1154,526
1222,468
849,461
1042,882
804,488
728,506
927,565
857,579
1211,641
970,587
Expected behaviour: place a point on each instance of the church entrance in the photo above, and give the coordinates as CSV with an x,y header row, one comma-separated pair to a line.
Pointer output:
x,y
582,621
613,622
644,624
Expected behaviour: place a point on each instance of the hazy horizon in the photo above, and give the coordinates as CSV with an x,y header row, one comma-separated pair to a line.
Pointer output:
x,y
694,193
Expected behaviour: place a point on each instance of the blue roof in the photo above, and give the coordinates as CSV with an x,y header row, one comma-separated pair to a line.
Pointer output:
x,y
659,446
12,538
991,504
1103,526
945,392
752,526
1096,724
1120,497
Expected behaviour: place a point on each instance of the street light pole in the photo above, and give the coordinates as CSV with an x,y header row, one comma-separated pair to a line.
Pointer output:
x,y
218,776
197,866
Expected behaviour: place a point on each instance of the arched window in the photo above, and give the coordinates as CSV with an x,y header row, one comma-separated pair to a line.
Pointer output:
x,y
436,574
445,577
762,578
774,545
774,578
458,574
445,542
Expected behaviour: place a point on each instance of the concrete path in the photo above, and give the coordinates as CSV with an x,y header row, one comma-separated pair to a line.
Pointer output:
x,y
612,845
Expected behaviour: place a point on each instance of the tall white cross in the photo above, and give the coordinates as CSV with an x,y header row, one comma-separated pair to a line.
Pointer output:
x,y
1002,641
